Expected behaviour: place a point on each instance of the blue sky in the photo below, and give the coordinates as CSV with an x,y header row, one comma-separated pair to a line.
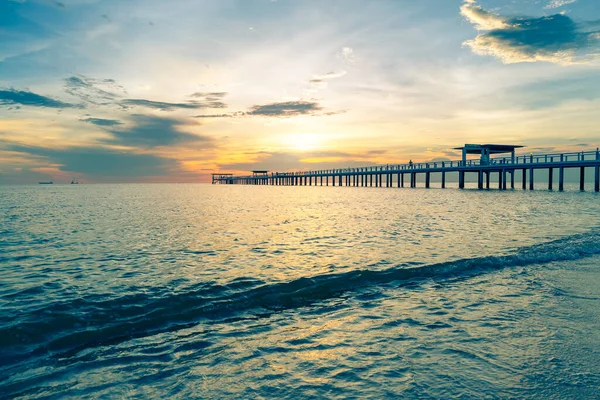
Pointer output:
x,y
157,91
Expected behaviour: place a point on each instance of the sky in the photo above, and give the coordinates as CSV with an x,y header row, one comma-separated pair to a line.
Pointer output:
x,y
172,91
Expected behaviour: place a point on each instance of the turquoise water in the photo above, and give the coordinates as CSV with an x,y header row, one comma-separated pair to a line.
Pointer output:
x,y
298,292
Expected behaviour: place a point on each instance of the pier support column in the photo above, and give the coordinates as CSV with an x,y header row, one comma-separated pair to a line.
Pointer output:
x,y
550,177
479,180
371,180
443,179
380,180
401,180
561,179
500,179
503,179
327,180
340,181
524,179
582,179
398,180
512,178
487,179
413,180
597,179
531,178
461,179
427,179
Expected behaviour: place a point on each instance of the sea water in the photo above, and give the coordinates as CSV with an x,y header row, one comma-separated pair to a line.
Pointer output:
x,y
226,291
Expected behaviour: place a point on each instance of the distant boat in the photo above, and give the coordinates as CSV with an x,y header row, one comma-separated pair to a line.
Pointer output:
x,y
46,183
74,181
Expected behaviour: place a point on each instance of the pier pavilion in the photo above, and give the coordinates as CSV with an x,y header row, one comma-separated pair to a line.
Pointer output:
x,y
490,162
224,179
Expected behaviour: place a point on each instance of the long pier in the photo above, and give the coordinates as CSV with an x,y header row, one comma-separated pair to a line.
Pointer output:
x,y
406,175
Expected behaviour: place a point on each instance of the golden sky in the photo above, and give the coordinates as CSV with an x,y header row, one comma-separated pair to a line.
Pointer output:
x,y
156,91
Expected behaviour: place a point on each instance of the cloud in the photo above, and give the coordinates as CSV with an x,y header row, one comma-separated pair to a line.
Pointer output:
x,y
102,121
211,99
554,38
216,95
285,109
482,19
15,97
320,81
94,91
151,131
281,109
346,54
218,115
331,75
100,162
559,3
164,106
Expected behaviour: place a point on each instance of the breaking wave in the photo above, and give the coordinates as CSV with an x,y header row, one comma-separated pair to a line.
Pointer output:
x,y
63,329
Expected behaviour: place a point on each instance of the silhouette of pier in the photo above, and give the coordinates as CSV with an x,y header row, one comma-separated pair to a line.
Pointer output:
x,y
406,175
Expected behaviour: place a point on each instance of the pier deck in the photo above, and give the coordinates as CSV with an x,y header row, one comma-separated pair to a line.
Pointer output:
x,y
406,174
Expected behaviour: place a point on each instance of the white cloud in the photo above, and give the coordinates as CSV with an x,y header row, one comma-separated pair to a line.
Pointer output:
x,y
553,38
559,3
347,55
483,19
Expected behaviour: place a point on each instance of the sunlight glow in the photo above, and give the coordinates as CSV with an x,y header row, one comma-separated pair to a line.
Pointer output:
x,y
303,141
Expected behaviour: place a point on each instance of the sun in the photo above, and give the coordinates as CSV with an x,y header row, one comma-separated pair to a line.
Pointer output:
x,y
302,142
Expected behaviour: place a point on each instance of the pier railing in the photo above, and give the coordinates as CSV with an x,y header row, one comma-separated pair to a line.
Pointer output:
x,y
357,176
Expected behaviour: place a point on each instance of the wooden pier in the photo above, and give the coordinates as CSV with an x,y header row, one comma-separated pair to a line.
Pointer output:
x,y
406,175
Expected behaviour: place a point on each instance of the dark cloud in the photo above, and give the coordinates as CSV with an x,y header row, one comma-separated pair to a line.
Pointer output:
x,y
376,152
230,115
218,95
285,109
163,106
151,131
94,91
15,97
554,38
211,99
102,121
100,162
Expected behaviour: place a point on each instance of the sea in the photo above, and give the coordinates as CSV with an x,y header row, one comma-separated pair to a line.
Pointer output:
x,y
269,292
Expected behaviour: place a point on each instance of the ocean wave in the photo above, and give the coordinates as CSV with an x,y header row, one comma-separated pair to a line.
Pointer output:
x,y
64,328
